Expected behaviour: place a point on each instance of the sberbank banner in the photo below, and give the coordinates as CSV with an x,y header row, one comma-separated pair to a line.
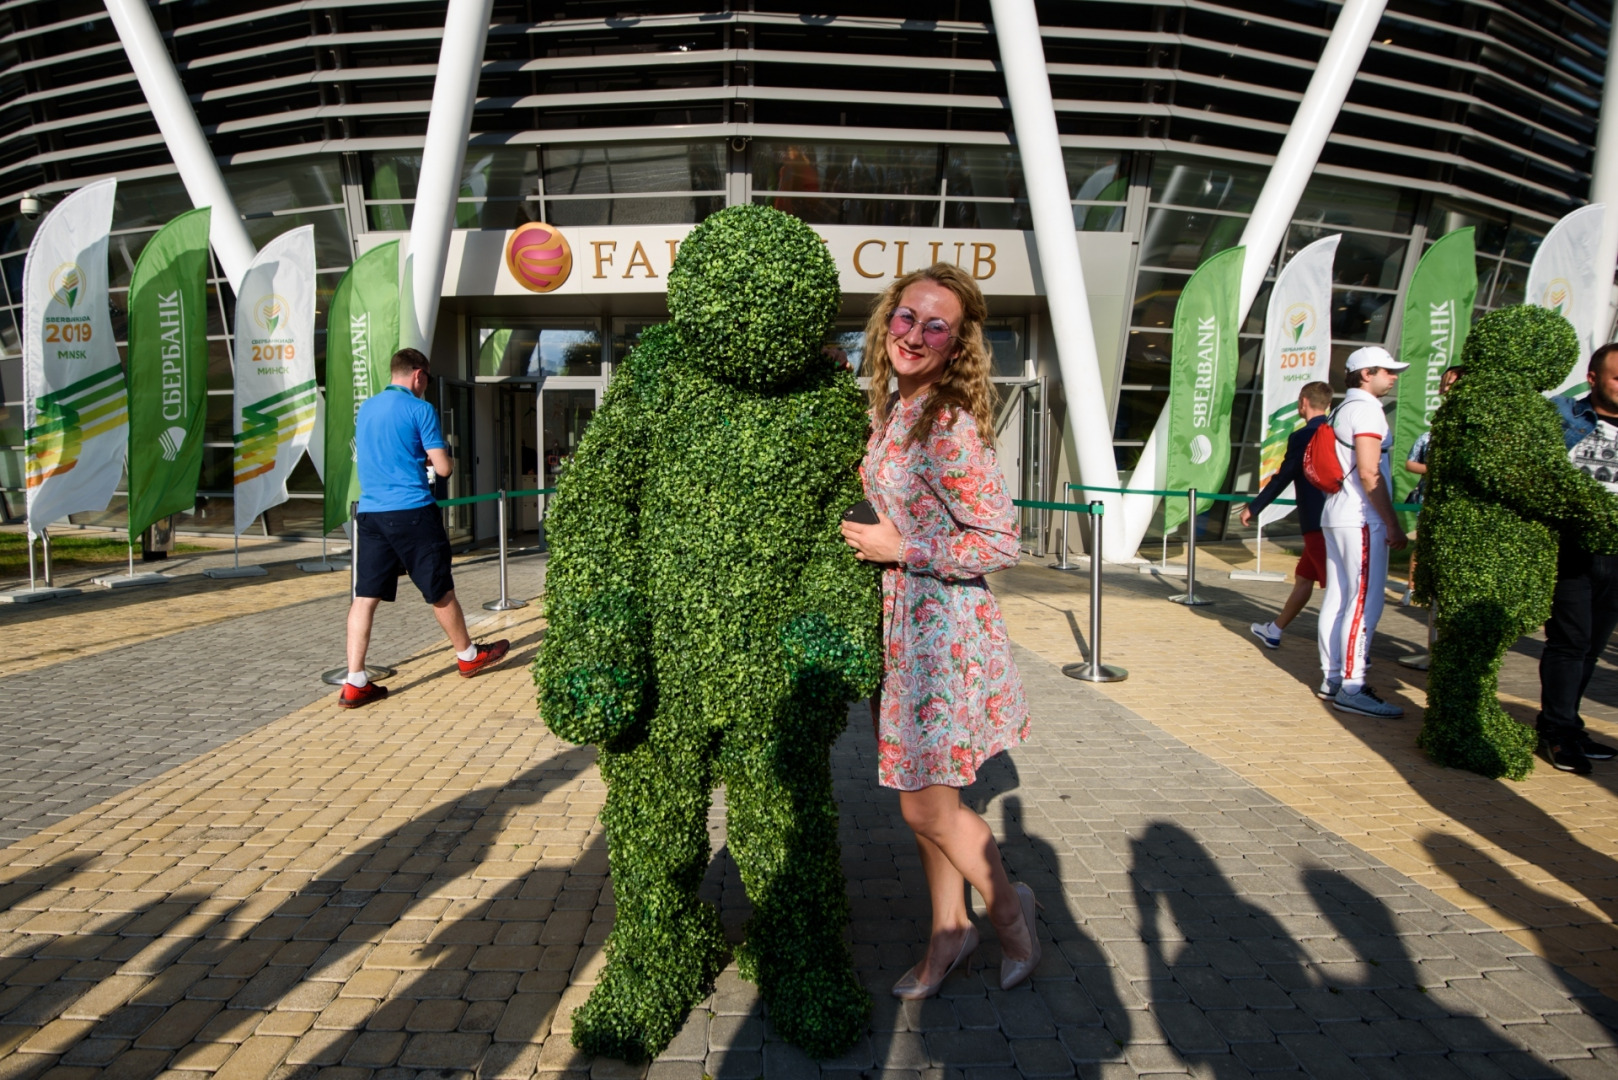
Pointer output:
x,y
1437,316
168,370
275,371
1297,351
362,332
75,410
1202,382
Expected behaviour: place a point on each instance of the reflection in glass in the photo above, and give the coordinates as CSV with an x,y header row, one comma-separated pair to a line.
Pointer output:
x,y
1511,285
534,352
285,185
1332,204
1146,359
333,248
1156,293
1184,240
1204,185
566,414
1358,315
657,210
627,168
845,343
1005,338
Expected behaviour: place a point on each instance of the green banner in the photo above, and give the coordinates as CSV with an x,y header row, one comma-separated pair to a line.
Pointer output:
x,y
1437,316
362,333
168,370
1202,382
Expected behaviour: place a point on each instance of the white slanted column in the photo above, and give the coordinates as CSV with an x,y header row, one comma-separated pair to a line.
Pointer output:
x,y
1022,58
460,60
1604,188
171,107
1277,202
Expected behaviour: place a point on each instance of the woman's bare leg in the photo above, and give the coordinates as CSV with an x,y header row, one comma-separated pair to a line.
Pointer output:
x,y
957,846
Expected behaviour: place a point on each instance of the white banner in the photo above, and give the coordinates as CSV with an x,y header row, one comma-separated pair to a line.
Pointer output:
x,y
1297,350
1564,278
75,408
275,371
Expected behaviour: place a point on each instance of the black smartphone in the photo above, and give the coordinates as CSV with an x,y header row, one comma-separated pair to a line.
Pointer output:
x,y
862,513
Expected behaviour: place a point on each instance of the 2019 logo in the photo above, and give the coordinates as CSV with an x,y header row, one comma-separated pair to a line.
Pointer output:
x,y
1558,293
67,284
1300,321
271,313
539,257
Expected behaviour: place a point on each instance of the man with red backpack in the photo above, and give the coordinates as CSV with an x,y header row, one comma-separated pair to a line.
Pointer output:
x,y
1360,527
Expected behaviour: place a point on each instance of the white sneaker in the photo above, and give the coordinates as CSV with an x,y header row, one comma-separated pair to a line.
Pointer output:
x,y
1268,633
1327,689
1366,703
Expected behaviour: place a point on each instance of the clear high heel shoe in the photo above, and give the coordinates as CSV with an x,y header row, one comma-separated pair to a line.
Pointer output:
x,y
1012,971
911,988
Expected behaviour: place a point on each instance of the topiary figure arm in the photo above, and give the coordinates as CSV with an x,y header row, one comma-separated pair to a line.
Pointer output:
x,y
1521,463
594,668
962,473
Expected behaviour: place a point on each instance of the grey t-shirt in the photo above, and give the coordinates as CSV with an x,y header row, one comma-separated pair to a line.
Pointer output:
x,y
1597,454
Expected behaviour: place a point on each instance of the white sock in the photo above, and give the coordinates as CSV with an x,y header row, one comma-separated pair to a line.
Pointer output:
x,y
468,654
1352,688
1273,630
358,679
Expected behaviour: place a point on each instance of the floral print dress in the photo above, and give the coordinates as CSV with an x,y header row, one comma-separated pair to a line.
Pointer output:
x,y
951,696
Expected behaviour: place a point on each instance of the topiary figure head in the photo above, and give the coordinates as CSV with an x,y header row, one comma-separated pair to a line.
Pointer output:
x,y
1525,343
751,295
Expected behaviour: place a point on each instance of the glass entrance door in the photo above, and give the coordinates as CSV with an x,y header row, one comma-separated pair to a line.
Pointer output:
x,y
456,418
565,411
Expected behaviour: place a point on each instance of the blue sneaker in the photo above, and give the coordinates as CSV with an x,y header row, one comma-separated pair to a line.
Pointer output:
x,y
1366,703
1327,689
1268,633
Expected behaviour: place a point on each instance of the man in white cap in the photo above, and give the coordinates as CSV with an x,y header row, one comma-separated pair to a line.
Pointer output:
x,y
1359,526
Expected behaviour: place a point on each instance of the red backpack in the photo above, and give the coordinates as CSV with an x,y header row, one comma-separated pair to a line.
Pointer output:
x,y
1321,466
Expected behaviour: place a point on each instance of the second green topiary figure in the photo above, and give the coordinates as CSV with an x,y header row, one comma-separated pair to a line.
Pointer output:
x,y
1501,494
708,625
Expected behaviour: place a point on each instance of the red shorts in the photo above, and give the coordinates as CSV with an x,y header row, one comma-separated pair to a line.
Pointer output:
x,y
1313,564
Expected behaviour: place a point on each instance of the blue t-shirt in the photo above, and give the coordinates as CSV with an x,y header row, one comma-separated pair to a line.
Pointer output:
x,y
392,434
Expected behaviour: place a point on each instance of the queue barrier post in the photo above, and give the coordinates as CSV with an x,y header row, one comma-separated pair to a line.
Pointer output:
x,y
505,603
1094,670
1061,562
339,675
1189,598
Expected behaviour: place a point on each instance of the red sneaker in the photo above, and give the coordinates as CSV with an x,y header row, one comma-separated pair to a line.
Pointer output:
x,y
352,697
488,655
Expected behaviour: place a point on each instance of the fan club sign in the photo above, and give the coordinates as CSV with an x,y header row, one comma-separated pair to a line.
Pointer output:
x,y
543,258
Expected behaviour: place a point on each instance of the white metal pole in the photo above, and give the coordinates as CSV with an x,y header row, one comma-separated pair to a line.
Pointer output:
x,y
1604,187
1033,114
460,60
171,107
1277,202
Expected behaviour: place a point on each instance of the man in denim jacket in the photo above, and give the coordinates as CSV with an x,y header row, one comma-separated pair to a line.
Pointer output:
x,y
1584,608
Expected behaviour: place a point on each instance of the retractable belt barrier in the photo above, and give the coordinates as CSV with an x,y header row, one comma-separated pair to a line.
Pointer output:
x,y
1093,670
505,603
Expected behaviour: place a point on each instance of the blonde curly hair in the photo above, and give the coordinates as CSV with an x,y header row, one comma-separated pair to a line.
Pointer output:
x,y
965,385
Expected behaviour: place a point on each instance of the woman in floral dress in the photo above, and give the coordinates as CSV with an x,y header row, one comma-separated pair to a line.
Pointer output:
x,y
950,698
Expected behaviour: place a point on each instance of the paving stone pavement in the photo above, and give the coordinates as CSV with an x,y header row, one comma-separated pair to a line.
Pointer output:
x,y
420,889
80,730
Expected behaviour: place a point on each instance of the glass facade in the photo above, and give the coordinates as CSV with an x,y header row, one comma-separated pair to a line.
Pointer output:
x,y
1462,114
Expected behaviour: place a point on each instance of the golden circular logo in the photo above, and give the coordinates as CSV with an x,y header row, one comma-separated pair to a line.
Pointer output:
x,y
271,313
1557,293
539,257
1299,322
66,284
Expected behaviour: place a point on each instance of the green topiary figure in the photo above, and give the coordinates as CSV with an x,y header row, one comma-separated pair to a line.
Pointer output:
x,y
1500,494
708,624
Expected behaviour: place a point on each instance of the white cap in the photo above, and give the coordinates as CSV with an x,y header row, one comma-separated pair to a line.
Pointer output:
x,y
1373,356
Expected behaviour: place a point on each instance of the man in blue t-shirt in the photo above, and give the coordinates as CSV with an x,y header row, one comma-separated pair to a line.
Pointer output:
x,y
398,528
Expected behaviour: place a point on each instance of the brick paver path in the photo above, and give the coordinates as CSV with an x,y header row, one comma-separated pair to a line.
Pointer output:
x,y
419,888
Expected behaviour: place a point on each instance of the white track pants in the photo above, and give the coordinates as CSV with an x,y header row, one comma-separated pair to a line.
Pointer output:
x,y
1356,577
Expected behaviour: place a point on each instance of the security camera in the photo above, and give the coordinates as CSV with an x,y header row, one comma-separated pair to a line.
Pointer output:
x,y
30,205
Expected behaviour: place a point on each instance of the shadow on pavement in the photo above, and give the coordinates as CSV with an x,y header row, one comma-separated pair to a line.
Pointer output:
x,y
475,984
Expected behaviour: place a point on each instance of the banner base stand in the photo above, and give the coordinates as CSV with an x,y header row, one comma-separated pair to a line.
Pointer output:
x,y
375,672
132,581
34,596
1257,575
235,571
1079,562
1189,600
322,566
1163,571
1095,672
1418,661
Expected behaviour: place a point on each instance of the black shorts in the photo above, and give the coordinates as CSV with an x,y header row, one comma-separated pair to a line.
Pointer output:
x,y
394,542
